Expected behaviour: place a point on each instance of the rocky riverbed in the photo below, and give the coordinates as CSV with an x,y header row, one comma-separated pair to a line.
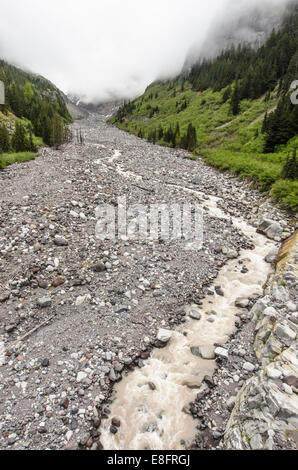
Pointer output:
x,y
76,312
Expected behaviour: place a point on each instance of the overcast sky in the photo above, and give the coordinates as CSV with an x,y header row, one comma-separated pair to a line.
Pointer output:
x,y
95,48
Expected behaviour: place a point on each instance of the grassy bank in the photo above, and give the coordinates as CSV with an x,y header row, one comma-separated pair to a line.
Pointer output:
x,y
20,157
233,143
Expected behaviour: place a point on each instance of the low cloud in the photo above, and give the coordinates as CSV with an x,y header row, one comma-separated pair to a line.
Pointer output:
x,y
99,49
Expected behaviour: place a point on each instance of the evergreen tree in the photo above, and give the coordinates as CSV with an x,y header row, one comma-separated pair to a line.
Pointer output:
x,y
281,125
290,169
28,93
191,138
235,100
264,125
57,131
176,136
227,94
31,146
4,140
19,138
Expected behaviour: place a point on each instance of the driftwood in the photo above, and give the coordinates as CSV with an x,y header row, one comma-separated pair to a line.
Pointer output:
x,y
34,330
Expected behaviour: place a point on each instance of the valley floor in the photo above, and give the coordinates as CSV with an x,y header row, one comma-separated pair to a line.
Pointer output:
x,y
75,312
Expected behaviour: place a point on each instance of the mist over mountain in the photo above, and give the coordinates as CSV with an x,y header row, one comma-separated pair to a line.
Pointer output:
x,y
109,49
239,22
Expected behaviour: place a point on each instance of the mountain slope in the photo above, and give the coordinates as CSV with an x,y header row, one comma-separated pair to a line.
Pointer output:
x,y
34,112
218,112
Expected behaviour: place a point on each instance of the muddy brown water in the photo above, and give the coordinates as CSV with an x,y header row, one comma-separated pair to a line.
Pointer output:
x,y
158,419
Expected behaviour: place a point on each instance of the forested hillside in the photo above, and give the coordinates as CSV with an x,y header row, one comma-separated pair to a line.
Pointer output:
x,y
235,110
34,113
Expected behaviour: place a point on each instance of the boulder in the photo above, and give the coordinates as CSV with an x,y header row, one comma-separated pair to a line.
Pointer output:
x,y
242,302
164,335
271,229
222,353
44,302
195,313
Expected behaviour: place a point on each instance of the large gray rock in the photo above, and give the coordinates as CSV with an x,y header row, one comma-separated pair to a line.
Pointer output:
x,y
242,302
44,302
260,408
258,309
205,352
271,257
222,353
164,335
271,229
285,334
195,313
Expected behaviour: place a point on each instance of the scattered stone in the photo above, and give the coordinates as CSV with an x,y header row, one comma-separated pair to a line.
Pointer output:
x,y
113,376
113,430
58,281
84,439
271,229
219,291
209,381
285,333
116,422
287,389
99,267
44,302
222,353
291,380
97,422
242,303
291,307
164,335
5,296
42,429
205,352
42,284
60,241
122,309
12,438
195,313
248,366
10,328
65,403
271,257
81,376
152,386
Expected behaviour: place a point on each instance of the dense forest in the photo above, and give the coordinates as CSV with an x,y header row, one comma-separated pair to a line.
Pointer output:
x,y
34,107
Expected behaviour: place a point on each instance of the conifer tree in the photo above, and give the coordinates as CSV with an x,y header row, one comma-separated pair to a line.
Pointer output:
x,y
57,131
19,138
235,100
290,170
191,138
4,140
227,94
